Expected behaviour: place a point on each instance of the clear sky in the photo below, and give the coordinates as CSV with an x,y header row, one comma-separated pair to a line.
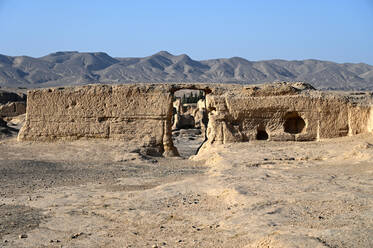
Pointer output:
x,y
335,30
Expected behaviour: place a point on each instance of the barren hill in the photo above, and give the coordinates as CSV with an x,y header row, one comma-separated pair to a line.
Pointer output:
x,y
74,68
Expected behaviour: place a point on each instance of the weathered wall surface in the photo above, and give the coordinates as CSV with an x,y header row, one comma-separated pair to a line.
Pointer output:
x,y
142,114
12,104
12,109
132,113
286,112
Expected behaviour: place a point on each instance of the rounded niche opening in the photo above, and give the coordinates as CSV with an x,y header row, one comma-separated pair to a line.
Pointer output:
x,y
293,123
261,135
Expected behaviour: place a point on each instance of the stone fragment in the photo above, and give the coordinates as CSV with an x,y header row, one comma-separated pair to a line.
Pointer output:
x,y
22,236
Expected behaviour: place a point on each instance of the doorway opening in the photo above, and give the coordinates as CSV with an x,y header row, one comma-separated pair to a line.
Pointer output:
x,y
189,121
294,124
261,135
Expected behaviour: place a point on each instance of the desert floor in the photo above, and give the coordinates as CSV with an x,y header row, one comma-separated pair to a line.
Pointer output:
x,y
255,194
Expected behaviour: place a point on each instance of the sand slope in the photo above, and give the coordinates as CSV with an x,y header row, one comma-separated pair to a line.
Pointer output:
x,y
257,194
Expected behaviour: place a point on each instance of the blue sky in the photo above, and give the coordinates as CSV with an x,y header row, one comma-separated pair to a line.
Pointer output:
x,y
335,30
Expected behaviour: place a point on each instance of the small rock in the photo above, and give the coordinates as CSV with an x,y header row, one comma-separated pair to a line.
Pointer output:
x,y
22,236
74,236
155,246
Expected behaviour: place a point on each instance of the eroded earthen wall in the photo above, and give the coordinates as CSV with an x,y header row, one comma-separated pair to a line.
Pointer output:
x,y
131,113
246,115
12,104
142,114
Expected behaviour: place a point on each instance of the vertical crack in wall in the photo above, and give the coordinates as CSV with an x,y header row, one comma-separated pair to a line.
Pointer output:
x,y
350,133
370,120
318,131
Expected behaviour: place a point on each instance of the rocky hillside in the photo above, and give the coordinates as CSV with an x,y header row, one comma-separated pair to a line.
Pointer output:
x,y
74,68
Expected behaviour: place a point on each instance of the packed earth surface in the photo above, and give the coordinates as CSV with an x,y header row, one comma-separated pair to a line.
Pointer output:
x,y
249,194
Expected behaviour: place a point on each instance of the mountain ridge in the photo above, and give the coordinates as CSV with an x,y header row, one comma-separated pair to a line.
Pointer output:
x,y
77,68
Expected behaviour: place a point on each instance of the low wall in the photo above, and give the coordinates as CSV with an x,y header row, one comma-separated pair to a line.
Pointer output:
x,y
12,109
142,113
302,117
12,104
133,113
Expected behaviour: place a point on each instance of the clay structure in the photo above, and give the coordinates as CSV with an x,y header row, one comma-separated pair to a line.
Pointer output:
x,y
143,113
12,104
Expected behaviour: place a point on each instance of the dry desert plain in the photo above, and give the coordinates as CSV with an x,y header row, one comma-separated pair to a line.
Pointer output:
x,y
253,194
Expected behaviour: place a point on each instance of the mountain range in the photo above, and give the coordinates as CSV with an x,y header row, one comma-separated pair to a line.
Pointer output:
x,y
75,68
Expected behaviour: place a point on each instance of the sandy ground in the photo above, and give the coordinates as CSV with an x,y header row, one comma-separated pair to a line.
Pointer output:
x,y
255,194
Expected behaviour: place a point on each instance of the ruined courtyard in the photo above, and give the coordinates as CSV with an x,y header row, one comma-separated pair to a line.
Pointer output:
x,y
277,165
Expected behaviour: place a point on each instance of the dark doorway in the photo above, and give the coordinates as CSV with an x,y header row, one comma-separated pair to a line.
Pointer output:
x,y
261,135
293,123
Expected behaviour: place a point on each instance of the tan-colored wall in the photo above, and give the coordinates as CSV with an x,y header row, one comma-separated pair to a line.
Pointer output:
x,y
12,109
131,113
141,113
237,117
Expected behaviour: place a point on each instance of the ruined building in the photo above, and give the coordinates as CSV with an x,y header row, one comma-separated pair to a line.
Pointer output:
x,y
141,114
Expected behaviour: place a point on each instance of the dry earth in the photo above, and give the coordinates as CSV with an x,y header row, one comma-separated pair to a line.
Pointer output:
x,y
256,194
